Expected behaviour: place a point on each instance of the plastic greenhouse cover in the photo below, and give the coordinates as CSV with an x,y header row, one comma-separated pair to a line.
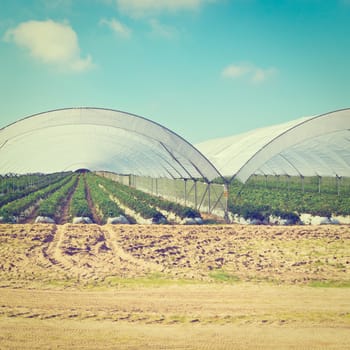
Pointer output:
x,y
99,139
102,139
311,146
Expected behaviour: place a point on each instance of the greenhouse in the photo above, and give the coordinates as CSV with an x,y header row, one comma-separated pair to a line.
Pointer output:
x,y
99,139
312,146
144,155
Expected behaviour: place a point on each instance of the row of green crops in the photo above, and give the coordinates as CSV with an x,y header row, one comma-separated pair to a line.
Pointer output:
x,y
50,206
258,201
14,183
160,203
106,207
123,194
312,184
12,188
79,205
15,208
260,197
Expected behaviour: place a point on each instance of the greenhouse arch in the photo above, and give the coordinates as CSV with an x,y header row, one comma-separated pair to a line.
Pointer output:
x,y
99,139
313,146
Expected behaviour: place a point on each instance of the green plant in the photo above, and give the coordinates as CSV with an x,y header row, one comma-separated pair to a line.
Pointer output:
x,y
14,187
49,206
79,205
15,208
126,196
101,199
262,196
145,204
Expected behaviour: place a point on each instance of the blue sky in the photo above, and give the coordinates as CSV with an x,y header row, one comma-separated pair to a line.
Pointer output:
x,y
203,68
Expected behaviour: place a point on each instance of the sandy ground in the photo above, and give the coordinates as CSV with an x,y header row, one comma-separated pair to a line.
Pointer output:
x,y
174,287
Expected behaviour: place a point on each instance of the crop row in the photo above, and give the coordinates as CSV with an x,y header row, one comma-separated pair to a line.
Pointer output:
x,y
12,188
160,203
49,207
126,198
79,205
16,207
14,183
106,208
258,202
147,205
49,199
312,184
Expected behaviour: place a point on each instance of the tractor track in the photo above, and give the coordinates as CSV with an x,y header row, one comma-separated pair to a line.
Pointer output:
x,y
92,252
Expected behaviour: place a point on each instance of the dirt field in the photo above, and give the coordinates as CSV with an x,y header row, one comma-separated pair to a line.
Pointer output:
x,y
174,287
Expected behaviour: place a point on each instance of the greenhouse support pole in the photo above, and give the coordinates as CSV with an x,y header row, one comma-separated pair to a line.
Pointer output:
x,y
203,197
195,194
208,186
338,184
226,216
185,191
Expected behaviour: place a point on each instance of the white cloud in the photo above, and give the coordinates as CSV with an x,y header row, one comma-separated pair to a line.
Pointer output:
x,y
159,29
117,27
235,71
138,8
51,43
249,71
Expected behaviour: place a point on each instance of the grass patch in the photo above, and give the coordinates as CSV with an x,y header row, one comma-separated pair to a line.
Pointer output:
x,y
56,283
330,284
152,280
223,276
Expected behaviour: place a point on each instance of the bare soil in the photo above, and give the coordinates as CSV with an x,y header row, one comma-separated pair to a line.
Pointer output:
x,y
174,287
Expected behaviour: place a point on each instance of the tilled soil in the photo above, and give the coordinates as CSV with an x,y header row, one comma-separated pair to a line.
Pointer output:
x,y
92,253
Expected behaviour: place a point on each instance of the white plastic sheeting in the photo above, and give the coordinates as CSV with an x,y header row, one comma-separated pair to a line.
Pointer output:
x,y
312,146
99,139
